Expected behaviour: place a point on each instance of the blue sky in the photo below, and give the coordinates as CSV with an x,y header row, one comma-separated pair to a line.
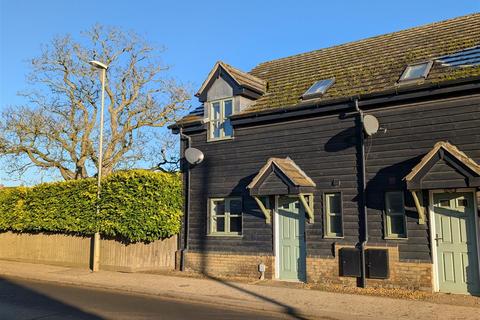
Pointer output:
x,y
198,33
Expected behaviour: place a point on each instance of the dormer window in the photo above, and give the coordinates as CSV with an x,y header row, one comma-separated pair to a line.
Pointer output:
x,y
227,90
220,126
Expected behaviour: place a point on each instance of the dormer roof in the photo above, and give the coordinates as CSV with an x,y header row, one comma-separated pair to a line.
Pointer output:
x,y
240,78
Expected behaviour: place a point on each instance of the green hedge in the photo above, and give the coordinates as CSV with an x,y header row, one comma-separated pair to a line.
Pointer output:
x,y
136,205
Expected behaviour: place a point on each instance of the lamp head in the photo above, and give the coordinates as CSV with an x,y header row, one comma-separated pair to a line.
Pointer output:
x,y
98,64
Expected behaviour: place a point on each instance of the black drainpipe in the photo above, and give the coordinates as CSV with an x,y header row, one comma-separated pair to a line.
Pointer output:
x,y
363,207
186,166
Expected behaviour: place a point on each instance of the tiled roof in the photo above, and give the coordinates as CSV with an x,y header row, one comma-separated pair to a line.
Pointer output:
x,y
366,66
193,116
289,168
450,148
370,65
246,79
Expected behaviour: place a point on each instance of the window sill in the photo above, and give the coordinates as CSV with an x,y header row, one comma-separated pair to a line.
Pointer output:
x,y
224,235
220,139
395,238
333,237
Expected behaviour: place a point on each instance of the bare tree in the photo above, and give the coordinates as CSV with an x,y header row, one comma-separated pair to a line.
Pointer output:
x,y
57,130
165,157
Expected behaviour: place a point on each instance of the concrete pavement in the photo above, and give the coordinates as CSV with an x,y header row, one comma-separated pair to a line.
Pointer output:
x,y
299,303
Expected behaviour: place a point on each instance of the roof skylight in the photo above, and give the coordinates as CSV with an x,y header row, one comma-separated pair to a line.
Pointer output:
x,y
416,71
318,88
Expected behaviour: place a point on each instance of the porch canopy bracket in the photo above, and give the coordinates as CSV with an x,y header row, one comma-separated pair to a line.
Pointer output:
x,y
266,212
307,202
282,176
465,169
419,205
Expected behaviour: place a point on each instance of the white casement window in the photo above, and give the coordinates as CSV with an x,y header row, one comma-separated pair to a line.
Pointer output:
x,y
225,216
395,215
220,126
333,215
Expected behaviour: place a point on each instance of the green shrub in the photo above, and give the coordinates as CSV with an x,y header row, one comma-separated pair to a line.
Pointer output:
x,y
136,205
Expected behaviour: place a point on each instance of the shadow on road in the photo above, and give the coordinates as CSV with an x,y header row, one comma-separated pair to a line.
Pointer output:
x,y
20,302
293,312
204,175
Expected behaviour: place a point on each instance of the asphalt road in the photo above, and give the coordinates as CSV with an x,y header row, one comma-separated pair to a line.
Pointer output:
x,y
21,299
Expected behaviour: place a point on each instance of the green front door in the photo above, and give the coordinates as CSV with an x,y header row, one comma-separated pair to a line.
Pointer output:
x,y
291,239
456,241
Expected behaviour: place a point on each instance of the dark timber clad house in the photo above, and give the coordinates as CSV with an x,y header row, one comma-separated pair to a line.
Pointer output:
x,y
298,176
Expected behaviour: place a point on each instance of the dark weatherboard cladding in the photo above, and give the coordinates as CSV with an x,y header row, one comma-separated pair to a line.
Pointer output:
x,y
326,148
314,154
412,131
230,166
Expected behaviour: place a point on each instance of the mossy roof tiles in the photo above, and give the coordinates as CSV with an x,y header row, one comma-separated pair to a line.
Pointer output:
x,y
367,66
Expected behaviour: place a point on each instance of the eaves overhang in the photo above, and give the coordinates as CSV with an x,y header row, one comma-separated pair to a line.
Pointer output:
x,y
371,100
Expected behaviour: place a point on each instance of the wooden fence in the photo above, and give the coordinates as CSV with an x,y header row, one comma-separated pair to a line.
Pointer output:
x,y
68,250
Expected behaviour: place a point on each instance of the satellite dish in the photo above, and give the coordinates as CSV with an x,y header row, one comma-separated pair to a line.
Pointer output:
x,y
370,124
194,156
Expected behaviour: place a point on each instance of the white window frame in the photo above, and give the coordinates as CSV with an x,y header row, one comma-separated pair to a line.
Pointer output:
x,y
403,78
388,215
327,84
328,214
220,121
227,215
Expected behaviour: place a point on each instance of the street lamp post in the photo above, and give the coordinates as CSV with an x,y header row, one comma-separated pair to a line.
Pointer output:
x,y
96,239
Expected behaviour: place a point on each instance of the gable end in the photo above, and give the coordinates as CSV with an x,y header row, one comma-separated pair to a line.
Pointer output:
x,y
243,84
444,167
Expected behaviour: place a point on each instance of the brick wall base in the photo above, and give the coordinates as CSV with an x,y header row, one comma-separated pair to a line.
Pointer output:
x,y
405,275
229,264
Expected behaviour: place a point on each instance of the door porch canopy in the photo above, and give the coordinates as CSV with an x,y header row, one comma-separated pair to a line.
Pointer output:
x,y
443,167
282,176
